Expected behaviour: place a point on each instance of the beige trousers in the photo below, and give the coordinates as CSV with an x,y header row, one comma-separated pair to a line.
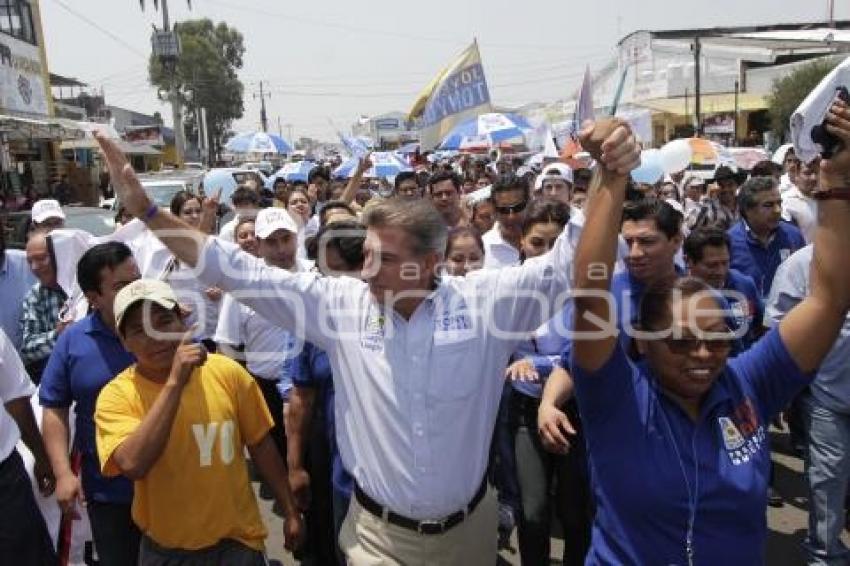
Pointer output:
x,y
367,540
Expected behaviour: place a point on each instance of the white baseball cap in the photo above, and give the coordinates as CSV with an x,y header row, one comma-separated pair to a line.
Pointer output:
x,y
559,170
781,152
270,220
152,290
46,208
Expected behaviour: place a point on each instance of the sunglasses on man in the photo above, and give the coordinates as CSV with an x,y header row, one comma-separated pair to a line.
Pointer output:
x,y
512,208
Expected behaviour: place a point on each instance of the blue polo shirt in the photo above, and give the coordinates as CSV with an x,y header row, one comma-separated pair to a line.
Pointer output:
x,y
641,446
87,356
16,279
751,257
312,368
746,309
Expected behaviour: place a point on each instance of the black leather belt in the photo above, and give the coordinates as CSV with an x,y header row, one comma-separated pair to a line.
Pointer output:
x,y
427,527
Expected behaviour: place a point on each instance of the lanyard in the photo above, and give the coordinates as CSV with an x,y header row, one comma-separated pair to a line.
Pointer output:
x,y
693,495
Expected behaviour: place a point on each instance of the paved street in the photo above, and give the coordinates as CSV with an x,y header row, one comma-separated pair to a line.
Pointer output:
x,y
787,524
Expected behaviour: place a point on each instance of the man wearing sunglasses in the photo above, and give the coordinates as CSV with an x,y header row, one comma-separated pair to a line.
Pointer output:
x,y
501,244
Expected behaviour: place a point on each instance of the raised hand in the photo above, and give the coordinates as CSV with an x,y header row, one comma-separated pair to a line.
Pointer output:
x,y
835,171
364,164
611,143
189,355
128,189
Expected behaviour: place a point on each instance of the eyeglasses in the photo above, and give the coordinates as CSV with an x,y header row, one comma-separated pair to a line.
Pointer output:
x,y
511,208
716,343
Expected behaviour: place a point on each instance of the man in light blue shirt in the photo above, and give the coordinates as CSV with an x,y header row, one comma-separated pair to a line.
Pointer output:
x,y
16,279
826,414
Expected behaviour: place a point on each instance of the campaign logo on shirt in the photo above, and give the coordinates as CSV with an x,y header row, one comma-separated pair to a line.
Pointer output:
x,y
453,325
742,312
743,436
373,335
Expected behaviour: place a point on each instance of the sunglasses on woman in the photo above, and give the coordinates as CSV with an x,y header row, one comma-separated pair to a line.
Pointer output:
x,y
714,342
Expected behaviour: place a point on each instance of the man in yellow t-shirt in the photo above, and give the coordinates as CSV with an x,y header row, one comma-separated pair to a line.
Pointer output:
x,y
177,423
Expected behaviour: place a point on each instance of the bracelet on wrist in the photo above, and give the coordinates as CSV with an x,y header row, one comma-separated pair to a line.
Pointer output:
x,y
152,210
836,193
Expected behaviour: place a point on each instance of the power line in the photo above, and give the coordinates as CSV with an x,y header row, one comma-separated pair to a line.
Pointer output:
x,y
370,31
101,29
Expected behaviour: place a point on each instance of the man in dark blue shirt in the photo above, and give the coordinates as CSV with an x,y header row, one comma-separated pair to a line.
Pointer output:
x,y
86,357
707,256
761,240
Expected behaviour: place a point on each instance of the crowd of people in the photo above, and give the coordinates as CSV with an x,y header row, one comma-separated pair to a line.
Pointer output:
x,y
415,370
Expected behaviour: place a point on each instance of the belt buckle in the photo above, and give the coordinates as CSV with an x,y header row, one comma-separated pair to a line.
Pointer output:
x,y
434,527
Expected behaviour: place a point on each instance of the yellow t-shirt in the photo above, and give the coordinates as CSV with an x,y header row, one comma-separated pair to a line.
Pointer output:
x,y
198,492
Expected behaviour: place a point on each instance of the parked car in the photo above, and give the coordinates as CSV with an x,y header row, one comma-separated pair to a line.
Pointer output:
x,y
95,221
227,179
161,191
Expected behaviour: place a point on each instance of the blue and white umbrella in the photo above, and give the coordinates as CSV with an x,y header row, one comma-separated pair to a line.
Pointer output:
x,y
409,149
258,142
490,129
291,172
384,164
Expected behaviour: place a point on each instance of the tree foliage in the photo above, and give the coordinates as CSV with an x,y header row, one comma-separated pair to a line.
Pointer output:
x,y
205,76
788,92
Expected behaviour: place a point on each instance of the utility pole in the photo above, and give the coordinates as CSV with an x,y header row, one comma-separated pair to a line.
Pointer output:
x,y
263,118
697,47
737,89
831,12
166,46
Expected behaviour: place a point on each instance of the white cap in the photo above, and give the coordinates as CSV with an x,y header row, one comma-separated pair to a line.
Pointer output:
x,y
152,290
781,152
560,170
270,220
46,208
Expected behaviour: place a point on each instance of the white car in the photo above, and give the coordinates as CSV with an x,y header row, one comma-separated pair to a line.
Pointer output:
x,y
161,191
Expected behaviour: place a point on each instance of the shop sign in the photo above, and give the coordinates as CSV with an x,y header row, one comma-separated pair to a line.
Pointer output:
x,y
22,87
719,124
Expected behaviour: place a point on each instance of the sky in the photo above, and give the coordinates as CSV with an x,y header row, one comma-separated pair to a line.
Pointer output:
x,y
324,63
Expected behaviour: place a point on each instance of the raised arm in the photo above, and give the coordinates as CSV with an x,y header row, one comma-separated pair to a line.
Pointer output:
x,y
181,239
597,247
522,298
354,183
809,330
283,297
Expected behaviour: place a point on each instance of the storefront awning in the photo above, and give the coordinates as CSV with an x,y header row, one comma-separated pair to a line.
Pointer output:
x,y
21,128
138,148
710,104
